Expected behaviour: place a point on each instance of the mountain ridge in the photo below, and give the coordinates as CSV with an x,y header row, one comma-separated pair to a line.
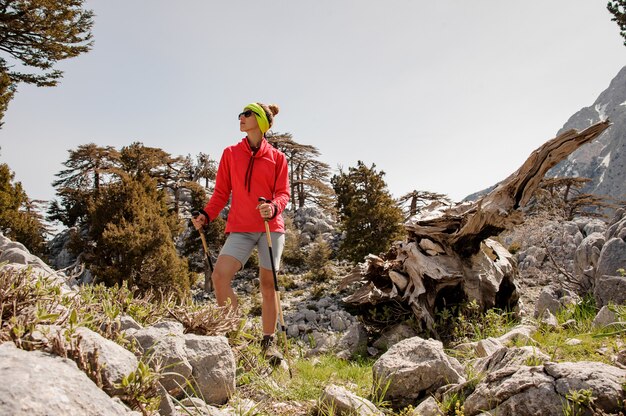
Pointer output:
x,y
602,160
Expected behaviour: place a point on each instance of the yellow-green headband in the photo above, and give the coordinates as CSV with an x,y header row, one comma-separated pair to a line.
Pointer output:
x,y
261,117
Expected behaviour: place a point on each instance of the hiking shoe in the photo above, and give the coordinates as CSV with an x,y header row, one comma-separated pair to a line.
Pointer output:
x,y
270,351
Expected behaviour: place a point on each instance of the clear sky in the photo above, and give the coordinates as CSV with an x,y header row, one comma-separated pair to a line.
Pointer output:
x,y
444,96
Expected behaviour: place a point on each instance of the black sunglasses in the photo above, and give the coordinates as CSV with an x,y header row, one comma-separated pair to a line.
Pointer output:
x,y
246,114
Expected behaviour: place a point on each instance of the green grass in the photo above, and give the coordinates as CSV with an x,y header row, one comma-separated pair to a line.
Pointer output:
x,y
553,341
310,376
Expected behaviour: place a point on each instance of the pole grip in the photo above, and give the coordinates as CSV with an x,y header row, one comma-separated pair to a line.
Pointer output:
x,y
268,235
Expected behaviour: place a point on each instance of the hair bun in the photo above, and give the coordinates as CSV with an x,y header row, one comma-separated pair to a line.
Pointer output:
x,y
273,108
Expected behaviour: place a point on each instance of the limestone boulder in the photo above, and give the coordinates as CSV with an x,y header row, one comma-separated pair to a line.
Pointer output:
x,y
586,258
612,258
610,289
515,391
541,390
604,317
213,367
39,384
206,361
414,368
345,403
509,357
393,335
604,380
165,343
116,361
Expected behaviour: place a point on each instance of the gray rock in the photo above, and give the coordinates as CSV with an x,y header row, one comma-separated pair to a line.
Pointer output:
x,y
194,406
43,384
604,317
345,403
578,238
311,315
393,335
321,342
514,391
213,364
428,407
116,361
615,228
594,226
586,258
7,244
354,341
570,228
337,323
166,404
415,368
610,289
293,330
604,380
323,303
553,299
549,320
509,357
127,322
165,343
16,253
542,390
612,258
521,333
487,347
548,301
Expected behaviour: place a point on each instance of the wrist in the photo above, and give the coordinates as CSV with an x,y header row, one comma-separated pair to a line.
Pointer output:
x,y
274,209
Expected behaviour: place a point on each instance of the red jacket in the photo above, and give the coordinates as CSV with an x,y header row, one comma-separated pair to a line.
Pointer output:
x,y
248,176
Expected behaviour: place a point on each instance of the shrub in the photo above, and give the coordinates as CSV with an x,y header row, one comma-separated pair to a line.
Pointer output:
x,y
292,253
133,235
318,260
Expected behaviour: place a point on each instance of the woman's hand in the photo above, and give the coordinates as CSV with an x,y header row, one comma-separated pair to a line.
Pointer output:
x,y
266,210
198,220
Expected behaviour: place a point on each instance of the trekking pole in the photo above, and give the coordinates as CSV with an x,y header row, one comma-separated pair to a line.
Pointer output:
x,y
281,319
208,283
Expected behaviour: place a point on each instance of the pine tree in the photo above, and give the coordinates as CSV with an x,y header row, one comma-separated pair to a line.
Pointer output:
x,y
564,198
308,177
318,260
413,202
618,10
37,34
18,220
368,214
132,234
87,169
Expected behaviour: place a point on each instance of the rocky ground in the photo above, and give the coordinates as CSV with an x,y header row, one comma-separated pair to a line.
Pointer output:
x,y
508,374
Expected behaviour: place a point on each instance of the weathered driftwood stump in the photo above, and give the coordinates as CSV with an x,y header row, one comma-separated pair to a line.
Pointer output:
x,y
448,257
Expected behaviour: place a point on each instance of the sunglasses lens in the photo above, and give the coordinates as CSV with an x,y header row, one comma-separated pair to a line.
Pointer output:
x,y
246,114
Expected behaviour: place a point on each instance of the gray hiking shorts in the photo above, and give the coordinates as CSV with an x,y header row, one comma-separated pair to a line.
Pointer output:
x,y
240,246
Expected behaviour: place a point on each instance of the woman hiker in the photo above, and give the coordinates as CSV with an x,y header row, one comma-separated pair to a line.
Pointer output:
x,y
248,170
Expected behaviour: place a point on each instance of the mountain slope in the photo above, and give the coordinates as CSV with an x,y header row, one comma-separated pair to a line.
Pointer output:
x,y
604,159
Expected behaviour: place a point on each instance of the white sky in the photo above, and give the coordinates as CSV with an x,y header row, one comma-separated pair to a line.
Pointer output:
x,y
445,96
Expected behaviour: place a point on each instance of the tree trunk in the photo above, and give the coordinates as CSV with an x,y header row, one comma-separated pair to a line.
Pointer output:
x,y
448,258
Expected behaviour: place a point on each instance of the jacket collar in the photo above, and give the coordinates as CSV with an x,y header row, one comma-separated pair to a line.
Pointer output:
x,y
263,146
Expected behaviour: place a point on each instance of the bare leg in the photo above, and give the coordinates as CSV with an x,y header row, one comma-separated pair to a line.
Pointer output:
x,y
222,277
269,312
